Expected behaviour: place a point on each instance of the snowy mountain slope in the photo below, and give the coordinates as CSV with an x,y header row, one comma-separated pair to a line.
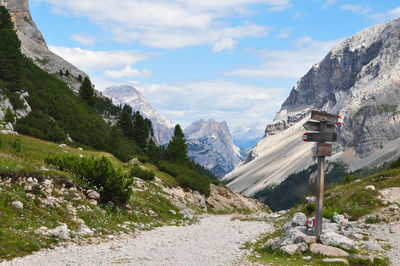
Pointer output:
x,y
125,94
358,79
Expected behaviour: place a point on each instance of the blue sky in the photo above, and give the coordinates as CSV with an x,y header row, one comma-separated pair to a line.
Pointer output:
x,y
232,60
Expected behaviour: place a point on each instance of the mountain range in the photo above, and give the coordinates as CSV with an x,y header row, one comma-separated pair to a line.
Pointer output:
x,y
358,79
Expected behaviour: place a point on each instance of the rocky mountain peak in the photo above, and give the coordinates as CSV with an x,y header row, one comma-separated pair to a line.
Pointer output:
x,y
21,16
125,94
34,46
210,144
357,79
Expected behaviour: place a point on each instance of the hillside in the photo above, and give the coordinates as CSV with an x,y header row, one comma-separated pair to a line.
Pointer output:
x,y
358,79
59,205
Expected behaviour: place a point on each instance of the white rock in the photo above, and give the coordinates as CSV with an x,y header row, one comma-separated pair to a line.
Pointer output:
x,y
299,218
334,239
324,250
335,260
290,249
61,232
310,199
172,212
372,246
370,187
340,219
393,207
48,182
84,230
187,214
17,205
307,258
91,194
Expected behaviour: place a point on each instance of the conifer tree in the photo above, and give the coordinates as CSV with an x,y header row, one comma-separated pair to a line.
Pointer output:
x,y
86,91
176,150
141,131
10,53
125,122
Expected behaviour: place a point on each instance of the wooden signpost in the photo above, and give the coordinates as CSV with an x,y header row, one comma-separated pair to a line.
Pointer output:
x,y
324,131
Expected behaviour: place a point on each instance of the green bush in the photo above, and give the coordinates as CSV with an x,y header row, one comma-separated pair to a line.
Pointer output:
x,y
17,145
113,184
136,171
8,116
395,164
187,177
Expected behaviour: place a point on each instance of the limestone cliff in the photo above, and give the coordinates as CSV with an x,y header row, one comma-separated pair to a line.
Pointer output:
x,y
34,46
358,79
210,144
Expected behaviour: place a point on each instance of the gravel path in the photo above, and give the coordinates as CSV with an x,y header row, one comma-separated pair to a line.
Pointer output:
x,y
215,240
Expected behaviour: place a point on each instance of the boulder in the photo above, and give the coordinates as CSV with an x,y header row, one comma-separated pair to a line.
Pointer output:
x,y
84,230
330,227
290,249
60,232
324,250
299,218
334,239
187,214
276,243
393,207
310,199
370,187
94,195
17,205
340,219
372,246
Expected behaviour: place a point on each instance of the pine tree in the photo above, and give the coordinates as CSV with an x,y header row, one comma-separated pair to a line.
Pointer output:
x,y
141,131
125,122
86,91
176,150
10,53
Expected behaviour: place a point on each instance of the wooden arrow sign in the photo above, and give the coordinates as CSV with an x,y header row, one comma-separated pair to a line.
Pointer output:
x,y
320,137
316,126
324,149
324,117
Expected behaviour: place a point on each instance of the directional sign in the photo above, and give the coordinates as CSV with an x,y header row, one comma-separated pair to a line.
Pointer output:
x,y
316,126
324,117
324,149
320,137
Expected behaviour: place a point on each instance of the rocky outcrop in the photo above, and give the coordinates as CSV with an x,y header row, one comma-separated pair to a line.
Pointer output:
x,y
34,46
358,79
210,144
125,94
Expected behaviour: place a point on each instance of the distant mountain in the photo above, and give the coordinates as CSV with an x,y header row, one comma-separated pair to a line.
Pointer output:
x,y
359,79
246,136
125,94
210,145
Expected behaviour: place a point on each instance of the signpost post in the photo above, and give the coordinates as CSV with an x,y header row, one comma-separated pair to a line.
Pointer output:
x,y
324,131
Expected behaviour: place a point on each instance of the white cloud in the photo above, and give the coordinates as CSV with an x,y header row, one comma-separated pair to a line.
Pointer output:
x,y
159,23
328,3
127,72
359,9
285,33
367,11
222,100
224,44
83,39
287,63
94,61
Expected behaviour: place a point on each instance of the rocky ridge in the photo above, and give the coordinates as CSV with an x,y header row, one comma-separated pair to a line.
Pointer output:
x,y
34,46
125,94
210,144
359,80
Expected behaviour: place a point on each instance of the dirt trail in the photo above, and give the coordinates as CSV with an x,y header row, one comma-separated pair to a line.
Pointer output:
x,y
215,240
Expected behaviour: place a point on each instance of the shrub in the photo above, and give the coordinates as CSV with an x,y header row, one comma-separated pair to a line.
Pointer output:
x,y
136,171
186,177
8,116
113,184
17,145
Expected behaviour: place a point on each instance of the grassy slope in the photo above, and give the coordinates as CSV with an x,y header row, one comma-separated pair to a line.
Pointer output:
x,y
17,227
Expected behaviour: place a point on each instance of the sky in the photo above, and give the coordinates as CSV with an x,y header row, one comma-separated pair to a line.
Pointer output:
x,y
228,60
